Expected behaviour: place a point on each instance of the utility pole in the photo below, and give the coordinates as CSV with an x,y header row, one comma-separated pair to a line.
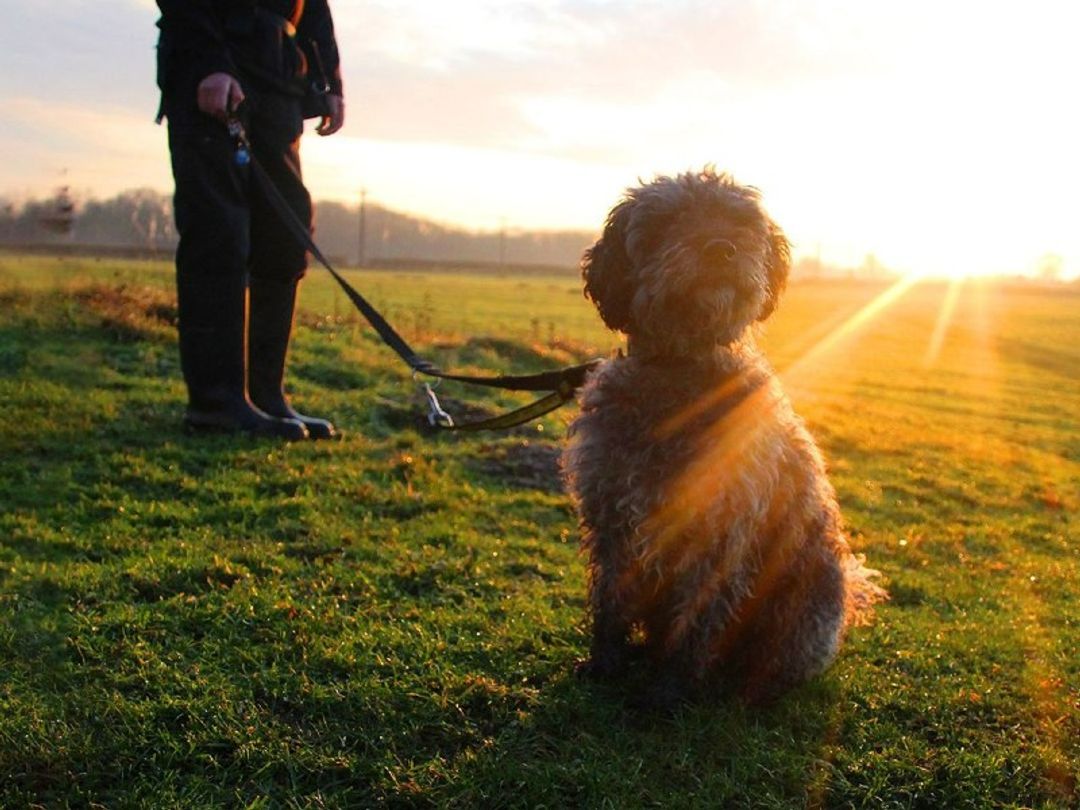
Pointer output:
x,y
361,244
502,243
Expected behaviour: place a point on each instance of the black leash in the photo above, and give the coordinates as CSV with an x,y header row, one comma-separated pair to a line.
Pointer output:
x,y
562,383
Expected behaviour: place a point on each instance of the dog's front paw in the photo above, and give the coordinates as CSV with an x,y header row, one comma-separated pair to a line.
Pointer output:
x,y
663,696
602,666
593,670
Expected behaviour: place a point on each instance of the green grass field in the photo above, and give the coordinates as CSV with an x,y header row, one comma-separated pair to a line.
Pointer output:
x,y
393,619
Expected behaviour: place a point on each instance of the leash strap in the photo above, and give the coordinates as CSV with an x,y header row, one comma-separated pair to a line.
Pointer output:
x,y
439,418
562,383
518,417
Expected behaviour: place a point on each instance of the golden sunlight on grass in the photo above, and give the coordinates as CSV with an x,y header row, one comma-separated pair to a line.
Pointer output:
x,y
198,622
805,364
1045,687
944,319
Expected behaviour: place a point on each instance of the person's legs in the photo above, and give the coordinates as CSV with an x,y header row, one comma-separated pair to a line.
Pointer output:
x,y
213,221
278,261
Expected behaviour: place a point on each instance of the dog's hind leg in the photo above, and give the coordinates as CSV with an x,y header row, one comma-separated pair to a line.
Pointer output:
x,y
798,635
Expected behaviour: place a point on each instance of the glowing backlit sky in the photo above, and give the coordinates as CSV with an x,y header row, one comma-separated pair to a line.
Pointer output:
x,y
941,136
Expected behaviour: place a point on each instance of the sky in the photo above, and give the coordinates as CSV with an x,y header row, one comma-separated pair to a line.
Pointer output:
x,y
940,136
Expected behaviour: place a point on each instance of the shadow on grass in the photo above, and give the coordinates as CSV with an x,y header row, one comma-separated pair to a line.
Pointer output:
x,y
575,744
1059,362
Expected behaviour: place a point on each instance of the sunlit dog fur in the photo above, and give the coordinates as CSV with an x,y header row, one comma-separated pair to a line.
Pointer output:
x,y
713,535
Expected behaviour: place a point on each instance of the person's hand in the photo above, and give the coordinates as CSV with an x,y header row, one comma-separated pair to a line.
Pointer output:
x,y
336,119
218,94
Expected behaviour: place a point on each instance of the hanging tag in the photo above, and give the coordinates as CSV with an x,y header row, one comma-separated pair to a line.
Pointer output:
x,y
437,417
242,156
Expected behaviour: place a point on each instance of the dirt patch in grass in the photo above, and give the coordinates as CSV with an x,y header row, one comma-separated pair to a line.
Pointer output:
x,y
523,465
130,312
11,299
523,357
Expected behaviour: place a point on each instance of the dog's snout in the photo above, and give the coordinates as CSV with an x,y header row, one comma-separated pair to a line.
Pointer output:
x,y
719,250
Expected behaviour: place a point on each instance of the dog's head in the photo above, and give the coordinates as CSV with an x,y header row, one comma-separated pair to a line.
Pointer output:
x,y
686,261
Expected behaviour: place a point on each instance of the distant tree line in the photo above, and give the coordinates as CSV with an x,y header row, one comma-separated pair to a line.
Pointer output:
x,y
143,219
137,218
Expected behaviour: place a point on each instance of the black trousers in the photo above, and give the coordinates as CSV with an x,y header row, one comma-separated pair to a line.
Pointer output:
x,y
228,232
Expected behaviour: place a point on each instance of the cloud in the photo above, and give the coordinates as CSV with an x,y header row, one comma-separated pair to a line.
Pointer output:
x,y
99,147
79,51
480,73
549,75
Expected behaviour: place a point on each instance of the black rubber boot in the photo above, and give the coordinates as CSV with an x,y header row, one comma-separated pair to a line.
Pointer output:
x,y
273,304
213,358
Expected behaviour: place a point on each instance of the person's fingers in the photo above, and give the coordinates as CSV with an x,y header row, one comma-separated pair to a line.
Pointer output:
x,y
221,96
335,120
208,102
218,93
236,95
328,126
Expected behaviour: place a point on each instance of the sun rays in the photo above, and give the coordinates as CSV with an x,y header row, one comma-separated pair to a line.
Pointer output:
x,y
974,291
944,319
846,348
798,370
721,455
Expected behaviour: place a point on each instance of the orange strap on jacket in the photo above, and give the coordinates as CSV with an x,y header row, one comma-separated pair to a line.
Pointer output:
x,y
298,12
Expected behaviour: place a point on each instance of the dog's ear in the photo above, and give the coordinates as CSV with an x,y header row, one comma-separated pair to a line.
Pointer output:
x,y
606,269
778,264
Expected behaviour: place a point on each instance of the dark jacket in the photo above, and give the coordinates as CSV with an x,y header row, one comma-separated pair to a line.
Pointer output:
x,y
248,39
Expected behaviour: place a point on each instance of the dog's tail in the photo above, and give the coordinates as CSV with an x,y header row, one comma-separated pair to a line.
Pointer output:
x,y
862,592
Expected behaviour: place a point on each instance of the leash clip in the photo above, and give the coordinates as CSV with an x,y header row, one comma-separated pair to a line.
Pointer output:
x,y
242,154
437,417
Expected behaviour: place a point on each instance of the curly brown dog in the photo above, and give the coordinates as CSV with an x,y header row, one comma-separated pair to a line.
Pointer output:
x,y
711,528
